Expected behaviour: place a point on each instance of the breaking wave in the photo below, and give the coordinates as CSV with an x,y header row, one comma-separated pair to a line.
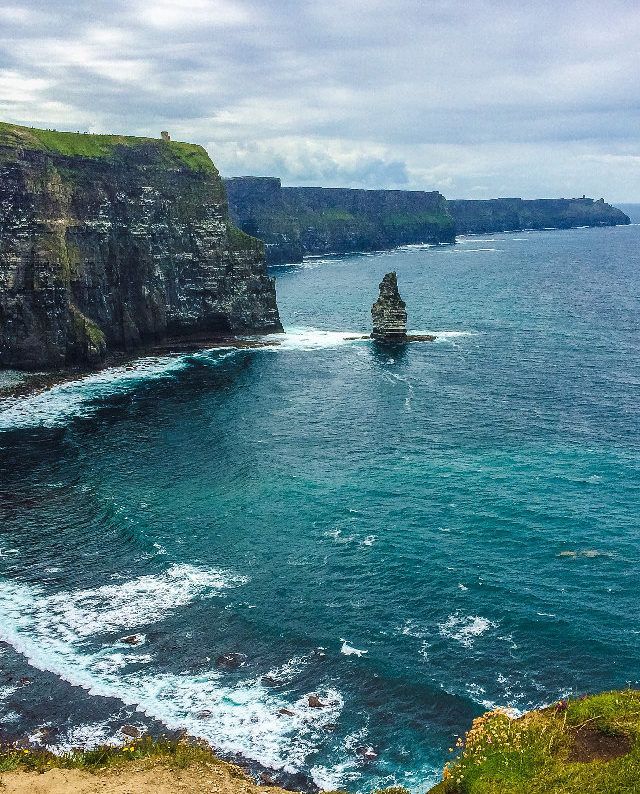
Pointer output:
x,y
53,632
465,628
81,398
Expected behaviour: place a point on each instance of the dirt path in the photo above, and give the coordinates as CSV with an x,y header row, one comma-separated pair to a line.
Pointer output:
x,y
133,779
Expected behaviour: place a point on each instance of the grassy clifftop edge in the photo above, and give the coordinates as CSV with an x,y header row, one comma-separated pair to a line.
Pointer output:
x,y
588,745
103,147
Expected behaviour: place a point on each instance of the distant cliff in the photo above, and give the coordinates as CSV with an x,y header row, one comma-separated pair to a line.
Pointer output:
x,y
295,221
112,242
508,214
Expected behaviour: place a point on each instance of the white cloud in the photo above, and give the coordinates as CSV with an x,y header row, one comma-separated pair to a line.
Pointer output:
x,y
328,161
175,15
499,95
19,15
20,88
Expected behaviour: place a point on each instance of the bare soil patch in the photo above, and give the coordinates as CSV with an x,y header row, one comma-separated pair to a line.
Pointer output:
x,y
590,744
158,778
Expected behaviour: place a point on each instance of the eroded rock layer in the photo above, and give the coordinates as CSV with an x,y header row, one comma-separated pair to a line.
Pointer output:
x,y
112,242
509,214
298,221
389,313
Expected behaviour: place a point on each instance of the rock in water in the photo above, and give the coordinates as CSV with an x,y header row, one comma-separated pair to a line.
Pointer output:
x,y
389,313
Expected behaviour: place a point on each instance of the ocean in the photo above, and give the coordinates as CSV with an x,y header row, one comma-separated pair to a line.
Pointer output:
x,y
413,536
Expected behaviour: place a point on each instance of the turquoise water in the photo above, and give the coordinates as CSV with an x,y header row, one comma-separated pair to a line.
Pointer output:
x,y
411,536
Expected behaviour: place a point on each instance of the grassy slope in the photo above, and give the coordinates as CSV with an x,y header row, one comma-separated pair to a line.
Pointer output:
x,y
584,746
102,147
179,753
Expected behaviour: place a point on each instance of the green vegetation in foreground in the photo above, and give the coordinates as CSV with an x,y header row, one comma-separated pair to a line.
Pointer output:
x,y
174,753
585,746
102,147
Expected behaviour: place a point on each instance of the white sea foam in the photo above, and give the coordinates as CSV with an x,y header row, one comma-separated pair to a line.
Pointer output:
x,y
414,247
473,250
445,336
88,735
11,377
289,670
451,334
80,398
309,338
349,650
245,717
465,628
111,662
412,628
328,779
126,605
7,690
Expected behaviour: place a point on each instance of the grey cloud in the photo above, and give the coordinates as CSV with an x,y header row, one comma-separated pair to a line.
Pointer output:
x,y
364,92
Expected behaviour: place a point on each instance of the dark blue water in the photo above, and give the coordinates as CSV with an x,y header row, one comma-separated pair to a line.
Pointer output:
x,y
413,537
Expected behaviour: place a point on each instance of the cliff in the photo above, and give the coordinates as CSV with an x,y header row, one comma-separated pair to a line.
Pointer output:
x,y
295,221
510,214
112,242
389,312
143,765
587,745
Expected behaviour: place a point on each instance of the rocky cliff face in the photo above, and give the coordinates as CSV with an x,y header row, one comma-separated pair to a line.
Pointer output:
x,y
257,206
109,242
295,221
509,214
310,220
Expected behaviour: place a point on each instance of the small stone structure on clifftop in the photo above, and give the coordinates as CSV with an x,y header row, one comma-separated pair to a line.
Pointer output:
x,y
389,313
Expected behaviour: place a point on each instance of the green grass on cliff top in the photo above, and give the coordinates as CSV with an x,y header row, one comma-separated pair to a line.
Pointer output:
x,y
584,746
102,147
174,752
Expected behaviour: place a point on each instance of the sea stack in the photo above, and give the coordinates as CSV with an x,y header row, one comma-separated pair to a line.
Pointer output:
x,y
389,313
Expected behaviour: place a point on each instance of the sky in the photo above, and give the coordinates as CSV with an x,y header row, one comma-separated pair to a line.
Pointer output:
x,y
475,99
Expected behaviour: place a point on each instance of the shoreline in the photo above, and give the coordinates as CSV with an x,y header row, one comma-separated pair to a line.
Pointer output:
x,y
29,382
585,745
